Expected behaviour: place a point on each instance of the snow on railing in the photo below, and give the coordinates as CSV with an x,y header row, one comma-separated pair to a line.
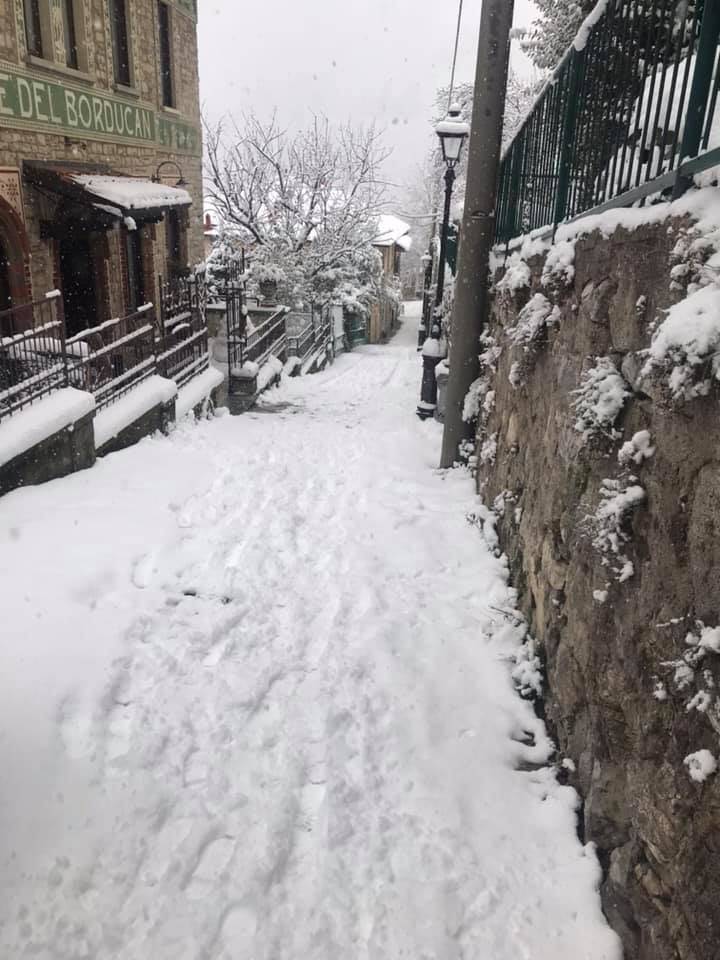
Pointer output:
x,y
33,358
633,98
183,343
107,359
121,354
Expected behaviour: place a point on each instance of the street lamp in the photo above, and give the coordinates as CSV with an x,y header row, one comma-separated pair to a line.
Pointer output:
x,y
427,262
452,133
181,182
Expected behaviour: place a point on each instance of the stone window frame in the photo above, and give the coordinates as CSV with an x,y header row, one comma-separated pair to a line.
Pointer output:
x,y
36,40
178,265
170,10
130,88
53,45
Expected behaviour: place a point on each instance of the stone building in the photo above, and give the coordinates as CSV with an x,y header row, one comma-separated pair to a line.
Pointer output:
x,y
93,93
392,240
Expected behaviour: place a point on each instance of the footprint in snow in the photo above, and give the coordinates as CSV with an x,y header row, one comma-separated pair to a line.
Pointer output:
x,y
144,571
211,871
238,931
76,729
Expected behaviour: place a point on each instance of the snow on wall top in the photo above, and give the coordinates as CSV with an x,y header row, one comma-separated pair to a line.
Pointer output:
x,y
41,420
392,230
132,194
114,419
595,15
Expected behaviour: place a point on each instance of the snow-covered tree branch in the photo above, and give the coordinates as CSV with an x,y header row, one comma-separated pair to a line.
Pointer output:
x,y
306,203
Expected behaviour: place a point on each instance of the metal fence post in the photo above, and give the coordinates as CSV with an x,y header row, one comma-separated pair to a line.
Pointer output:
x,y
160,326
567,143
699,90
60,302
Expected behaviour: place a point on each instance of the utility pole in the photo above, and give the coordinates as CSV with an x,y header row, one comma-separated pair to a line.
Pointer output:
x,y
478,226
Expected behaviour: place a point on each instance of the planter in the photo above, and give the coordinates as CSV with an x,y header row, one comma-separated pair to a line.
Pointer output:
x,y
268,290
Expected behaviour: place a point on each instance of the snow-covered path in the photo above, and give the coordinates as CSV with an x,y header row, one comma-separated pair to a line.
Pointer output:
x,y
256,702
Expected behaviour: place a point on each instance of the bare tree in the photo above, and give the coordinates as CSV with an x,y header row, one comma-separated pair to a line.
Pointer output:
x,y
306,204
519,98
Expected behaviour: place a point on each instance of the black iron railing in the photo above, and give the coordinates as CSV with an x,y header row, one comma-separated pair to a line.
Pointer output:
x,y
236,311
268,337
115,356
183,334
107,360
311,333
630,112
34,360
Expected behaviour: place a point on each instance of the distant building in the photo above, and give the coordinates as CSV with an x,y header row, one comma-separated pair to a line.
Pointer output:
x,y
92,94
210,234
392,240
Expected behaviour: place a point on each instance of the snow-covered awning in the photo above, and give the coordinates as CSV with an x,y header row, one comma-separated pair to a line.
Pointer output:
x,y
117,196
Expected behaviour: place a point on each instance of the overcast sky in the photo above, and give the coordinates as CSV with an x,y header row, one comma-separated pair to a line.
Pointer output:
x,y
358,60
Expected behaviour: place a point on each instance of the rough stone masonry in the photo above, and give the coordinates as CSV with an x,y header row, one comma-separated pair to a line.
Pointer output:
x,y
608,491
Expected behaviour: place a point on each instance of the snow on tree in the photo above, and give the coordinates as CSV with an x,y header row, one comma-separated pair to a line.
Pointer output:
x,y
423,197
304,204
553,32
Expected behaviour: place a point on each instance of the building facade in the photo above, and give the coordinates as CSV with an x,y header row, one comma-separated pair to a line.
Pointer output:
x,y
93,93
393,239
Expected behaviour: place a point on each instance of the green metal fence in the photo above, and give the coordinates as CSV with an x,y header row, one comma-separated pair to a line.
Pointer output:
x,y
629,113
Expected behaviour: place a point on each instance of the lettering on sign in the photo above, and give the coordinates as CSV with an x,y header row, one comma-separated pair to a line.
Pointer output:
x,y
69,110
10,190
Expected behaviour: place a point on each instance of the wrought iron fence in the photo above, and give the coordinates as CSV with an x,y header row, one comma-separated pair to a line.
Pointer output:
x,y
630,112
183,333
308,333
107,360
115,356
34,360
268,337
236,311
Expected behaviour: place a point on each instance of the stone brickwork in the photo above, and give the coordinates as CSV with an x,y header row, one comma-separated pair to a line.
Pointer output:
x,y
625,689
37,140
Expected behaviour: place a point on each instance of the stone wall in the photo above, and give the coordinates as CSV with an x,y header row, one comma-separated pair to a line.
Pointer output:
x,y
613,576
67,451
21,141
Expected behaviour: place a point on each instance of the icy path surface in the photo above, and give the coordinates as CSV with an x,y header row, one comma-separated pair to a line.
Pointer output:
x,y
256,702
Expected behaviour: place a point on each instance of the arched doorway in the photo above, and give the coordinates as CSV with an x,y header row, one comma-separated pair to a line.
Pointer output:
x,y
5,292
14,288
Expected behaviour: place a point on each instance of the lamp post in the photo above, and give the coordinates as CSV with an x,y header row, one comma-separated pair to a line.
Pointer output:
x,y
452,133
181,182
427,262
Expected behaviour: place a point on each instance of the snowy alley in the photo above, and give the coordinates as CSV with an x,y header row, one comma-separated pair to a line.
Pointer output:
x,y
257,703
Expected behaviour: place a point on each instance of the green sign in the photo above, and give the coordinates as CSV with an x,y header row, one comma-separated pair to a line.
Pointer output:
x,y
71,110
177,136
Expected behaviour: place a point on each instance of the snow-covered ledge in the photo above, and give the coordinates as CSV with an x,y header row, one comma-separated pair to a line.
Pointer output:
x,y
48,439
145,409
197,391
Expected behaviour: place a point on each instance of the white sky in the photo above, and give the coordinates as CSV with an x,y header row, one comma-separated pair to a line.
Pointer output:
x,y
359,60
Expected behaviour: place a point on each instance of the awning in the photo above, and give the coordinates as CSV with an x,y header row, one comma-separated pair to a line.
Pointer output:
x,y
126,198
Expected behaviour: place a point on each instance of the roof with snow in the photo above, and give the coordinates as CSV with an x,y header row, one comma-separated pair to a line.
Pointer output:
x,y
392,230
128,193
114,196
